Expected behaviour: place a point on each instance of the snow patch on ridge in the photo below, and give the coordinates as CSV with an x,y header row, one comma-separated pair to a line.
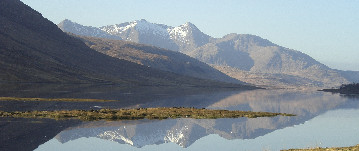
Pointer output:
x,y
141,26
144,26
118,29
176,136
179,33
115,136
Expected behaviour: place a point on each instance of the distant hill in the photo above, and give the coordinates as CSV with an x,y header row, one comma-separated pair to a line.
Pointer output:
x,y
248,58
257,60
33,49
157,58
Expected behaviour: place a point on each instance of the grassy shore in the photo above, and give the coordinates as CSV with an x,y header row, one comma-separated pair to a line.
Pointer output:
x,y
141,113
351,148
53,99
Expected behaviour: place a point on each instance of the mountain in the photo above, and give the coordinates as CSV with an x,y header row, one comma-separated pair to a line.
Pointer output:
x,y
248,58
183,37
157,58
254,60
141,31
78,29
352,76
188,37
33,49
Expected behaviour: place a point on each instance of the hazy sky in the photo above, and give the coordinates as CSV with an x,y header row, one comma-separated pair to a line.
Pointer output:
x,y
327,30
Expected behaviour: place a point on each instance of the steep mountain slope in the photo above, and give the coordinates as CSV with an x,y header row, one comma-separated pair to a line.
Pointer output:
x,y
32,49
247,58
157,58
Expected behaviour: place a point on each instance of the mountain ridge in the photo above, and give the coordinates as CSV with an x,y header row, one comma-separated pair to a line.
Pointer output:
x,y
85,31
245,53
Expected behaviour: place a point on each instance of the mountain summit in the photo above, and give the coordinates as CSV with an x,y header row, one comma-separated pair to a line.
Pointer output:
x,y
72,27
188,37
248,58
181,38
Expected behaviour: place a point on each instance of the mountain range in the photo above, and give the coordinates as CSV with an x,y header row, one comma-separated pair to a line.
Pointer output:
x,y
248,58
33,49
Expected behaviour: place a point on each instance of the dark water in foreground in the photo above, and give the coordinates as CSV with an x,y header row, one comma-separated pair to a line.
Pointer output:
x,y
323,119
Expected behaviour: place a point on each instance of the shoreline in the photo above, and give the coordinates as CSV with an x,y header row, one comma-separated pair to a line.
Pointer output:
x,y
139,113
352,148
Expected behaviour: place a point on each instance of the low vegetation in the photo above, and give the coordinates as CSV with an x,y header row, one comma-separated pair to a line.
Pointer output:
x,y
140,113
345,89
351,148
53,99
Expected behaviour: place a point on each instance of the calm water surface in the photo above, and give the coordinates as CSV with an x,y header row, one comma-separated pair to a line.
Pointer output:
x,y
333,128
323,120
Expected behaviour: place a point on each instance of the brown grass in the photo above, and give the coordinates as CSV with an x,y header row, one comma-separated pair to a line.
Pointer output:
x,y
53,99
351,148
141,113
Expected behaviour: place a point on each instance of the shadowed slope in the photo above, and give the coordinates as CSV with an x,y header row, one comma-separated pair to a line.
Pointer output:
x,y
157,58
32,49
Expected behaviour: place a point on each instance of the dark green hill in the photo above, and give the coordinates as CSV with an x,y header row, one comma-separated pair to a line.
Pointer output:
x,y
33,49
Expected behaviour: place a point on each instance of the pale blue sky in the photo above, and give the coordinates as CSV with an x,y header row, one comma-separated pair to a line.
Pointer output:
x,y
327,30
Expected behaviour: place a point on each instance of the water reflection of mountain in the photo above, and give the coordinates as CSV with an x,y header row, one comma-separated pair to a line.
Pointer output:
x,y
27,134
184,132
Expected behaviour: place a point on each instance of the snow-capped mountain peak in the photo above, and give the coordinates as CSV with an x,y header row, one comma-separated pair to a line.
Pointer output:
x,y
185,36
190,26
142,26
164,36
182,30
178,32
118,28
72,27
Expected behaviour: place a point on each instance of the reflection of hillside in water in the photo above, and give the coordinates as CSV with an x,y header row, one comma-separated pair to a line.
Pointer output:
x,y
129,97
286,101
185,132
